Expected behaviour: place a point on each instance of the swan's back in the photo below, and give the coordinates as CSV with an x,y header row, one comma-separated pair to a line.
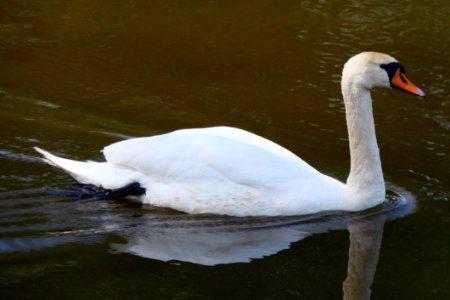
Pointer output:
x,y
243,136
216,152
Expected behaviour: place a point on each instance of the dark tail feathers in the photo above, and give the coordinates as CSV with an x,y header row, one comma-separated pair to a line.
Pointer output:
x,y
85,191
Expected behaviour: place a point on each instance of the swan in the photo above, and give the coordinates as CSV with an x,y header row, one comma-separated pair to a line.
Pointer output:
x,y
230,171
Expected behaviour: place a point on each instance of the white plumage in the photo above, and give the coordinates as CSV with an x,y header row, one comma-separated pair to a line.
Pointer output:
x,y
224,170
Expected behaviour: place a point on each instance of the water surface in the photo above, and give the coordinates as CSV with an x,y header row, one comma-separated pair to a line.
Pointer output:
x,y
77,76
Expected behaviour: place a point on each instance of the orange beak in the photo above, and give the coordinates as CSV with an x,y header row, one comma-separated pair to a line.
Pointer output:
x,y
399,81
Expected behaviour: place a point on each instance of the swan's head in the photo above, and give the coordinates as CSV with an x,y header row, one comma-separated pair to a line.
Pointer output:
x,y
372,69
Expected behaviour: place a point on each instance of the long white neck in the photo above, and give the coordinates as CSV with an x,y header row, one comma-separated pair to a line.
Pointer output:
x,y
366,176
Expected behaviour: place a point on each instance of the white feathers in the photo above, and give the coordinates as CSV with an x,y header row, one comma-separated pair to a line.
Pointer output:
x,y
101,174
224,170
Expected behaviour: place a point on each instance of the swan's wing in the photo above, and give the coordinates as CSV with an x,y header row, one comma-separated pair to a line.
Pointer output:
x,y
242,136
208,155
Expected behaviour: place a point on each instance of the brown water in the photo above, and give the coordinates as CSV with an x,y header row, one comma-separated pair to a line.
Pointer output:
x,y
78,75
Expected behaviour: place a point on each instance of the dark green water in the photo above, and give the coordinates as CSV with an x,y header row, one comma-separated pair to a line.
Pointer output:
x,y
78,75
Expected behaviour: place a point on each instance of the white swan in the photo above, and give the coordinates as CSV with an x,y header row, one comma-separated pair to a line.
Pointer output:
x,y
223,170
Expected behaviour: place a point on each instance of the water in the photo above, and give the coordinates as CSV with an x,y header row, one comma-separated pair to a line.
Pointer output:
x,y
77,76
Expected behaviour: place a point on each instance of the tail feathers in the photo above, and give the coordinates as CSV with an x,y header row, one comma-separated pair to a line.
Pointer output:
x,y
100,174
85,191
77,169
49,158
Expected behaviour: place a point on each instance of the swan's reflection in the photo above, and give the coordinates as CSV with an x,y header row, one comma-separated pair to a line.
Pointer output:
x,y
365,241
211,240
210,243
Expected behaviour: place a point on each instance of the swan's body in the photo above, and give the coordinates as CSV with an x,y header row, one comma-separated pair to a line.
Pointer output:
x,y
225,170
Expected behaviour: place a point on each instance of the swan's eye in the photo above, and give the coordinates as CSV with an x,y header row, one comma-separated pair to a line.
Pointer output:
x,y
392,68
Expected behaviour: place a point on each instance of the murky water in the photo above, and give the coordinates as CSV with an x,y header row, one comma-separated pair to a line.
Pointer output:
x,y
78,75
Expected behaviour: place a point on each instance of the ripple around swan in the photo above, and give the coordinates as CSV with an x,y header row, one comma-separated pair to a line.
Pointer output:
x,y
41,222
